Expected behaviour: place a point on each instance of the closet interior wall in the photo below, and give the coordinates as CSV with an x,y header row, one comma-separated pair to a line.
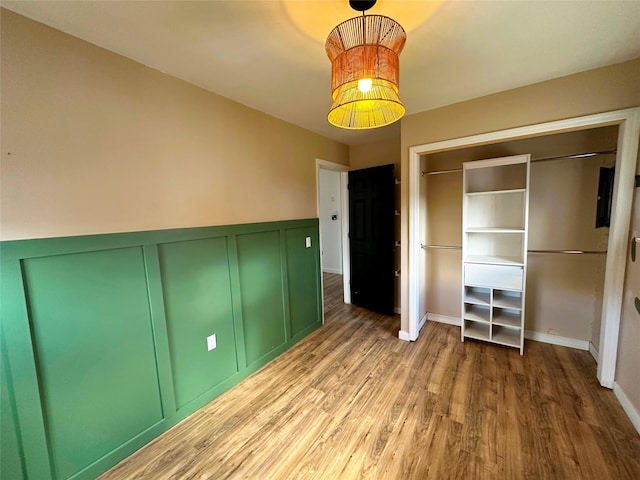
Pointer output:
x,y
564,291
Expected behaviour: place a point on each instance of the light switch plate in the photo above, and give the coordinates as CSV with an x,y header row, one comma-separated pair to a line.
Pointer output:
x,y
211,342
308,242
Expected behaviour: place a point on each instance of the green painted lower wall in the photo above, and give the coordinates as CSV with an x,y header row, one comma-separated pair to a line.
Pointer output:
x,y
197,298
10,455
104,337
263,293
93,340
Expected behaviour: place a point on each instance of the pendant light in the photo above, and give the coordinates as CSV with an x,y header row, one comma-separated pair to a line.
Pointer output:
x,y
365,70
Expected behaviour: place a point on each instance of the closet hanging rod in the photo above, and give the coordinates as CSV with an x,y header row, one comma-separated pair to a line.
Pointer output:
x,y
578,155
567,252
437,172
570,252
445,247
545,159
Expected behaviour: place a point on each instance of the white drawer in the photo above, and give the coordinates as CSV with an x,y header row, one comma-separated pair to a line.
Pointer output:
x,y
496,276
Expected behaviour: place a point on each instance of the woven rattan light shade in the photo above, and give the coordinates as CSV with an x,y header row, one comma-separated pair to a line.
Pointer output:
x,y
365,47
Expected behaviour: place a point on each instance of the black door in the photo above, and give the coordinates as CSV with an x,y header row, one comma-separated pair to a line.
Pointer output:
x,y
371,238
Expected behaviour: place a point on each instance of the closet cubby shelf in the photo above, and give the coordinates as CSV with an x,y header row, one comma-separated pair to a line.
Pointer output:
x,y
506,319
477,314
476,330
477,295
506,336
512,300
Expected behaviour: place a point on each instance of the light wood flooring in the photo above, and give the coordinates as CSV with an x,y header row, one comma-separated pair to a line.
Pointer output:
x,y
352,401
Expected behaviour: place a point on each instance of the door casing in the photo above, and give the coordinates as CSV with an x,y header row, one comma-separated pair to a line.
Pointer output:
x,y
344,213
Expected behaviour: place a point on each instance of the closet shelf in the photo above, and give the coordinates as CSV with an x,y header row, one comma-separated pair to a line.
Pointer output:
x,y
494,230
477,316
507,301
506,336
506,319
494,260
476,330
496,192
477,298
494,249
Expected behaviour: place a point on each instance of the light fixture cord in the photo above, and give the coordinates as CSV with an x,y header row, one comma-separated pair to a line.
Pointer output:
x,y
364,46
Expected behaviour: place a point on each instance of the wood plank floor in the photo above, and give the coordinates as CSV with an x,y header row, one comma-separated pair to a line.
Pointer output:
x,y
352,401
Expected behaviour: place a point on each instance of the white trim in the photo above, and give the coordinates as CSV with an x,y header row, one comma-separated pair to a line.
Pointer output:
x,y
623,185
402,335
628,407
628,134
322,292
571,124
528,334
556,340
593,351
332,270
344,211
435,317
346,251
414,249
423,320
397,310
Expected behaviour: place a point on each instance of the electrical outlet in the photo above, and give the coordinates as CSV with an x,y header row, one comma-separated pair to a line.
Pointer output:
x,y
307,242
211,342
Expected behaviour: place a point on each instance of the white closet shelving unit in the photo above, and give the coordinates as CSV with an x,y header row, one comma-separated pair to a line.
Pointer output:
x,y
494,249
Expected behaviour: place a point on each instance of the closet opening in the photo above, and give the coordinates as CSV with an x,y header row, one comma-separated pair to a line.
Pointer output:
x,y
575,269
566,249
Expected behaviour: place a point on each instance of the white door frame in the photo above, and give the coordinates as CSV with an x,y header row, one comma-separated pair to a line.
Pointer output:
x,y
344,213
628,121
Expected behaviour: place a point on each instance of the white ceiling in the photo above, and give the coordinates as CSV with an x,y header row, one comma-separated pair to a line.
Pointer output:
x,y
269,54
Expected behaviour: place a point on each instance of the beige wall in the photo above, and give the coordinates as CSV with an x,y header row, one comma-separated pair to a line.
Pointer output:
x,y
594,91
95,143
375,154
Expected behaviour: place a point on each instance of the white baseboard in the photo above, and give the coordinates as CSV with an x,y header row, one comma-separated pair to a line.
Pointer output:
x,y
628,407
398,310
402,335
528,334
332,270
593,351
434,317
557,340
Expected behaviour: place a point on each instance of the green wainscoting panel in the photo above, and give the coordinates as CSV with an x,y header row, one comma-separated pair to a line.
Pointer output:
x,y
105,335
303,275
261,293
95,355
10,455
197,292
